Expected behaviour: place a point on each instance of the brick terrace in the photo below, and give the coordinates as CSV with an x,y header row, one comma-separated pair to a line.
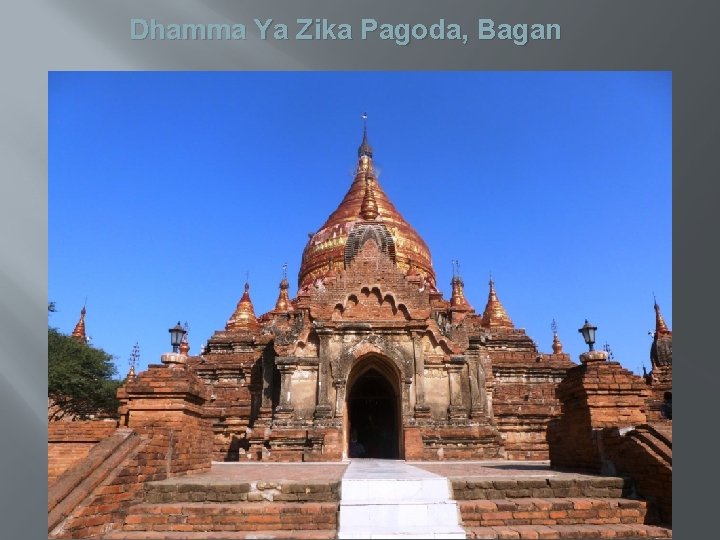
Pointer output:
x,y
266,472
332,472
300,500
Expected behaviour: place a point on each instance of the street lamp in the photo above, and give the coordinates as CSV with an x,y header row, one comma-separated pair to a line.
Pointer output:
x,y
176,335
588,333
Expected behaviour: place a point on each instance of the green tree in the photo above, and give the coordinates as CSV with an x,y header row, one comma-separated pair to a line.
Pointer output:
x,y
80,378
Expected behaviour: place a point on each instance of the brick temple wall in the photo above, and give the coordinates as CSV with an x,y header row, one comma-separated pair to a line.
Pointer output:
x,y
163,406
70,442
525,401
594,395
233,383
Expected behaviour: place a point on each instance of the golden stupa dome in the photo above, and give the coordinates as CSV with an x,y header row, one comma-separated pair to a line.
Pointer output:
x,y
244,316
365,202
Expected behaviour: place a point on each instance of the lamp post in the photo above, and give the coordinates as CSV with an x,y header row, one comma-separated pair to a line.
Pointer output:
x,y
176,336
588,334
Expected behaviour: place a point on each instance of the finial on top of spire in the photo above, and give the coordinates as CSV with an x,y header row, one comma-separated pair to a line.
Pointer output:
x,y
365,148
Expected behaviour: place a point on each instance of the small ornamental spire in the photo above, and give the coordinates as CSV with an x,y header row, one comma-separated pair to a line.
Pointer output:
x,y
660,327
365,148
369,207
79,331
557,346
134,359
185,344
495,315
244,316
283,302
458,295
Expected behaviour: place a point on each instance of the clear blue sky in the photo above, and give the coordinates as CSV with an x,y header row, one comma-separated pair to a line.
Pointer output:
x,y
165,188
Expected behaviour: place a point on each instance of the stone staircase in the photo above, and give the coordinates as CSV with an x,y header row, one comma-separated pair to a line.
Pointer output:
x,y
569,506
390,499
199,507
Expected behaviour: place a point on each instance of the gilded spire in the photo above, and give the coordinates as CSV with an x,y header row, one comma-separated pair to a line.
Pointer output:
x,y
458,295
244,316
495,315
660,327
283,302
369,207
79,331
557,346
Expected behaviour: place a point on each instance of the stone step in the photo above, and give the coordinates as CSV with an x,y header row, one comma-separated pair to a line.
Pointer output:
x,y
489,488
240,517
390,490
395,516
552,511
622,531
181,490
224,535
390,499
408,531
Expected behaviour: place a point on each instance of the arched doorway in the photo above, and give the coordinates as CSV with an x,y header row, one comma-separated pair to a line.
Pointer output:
x,y
373,415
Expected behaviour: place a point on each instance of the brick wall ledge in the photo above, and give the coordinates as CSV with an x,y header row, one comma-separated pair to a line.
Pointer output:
x,y
74,484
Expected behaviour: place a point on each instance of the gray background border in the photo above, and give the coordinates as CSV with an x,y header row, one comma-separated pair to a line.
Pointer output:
x,y
45,35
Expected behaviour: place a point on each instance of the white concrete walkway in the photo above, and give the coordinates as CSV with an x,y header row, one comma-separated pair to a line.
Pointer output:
x,y
391,499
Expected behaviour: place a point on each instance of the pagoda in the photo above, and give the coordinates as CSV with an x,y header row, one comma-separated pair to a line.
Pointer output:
x,y
370,351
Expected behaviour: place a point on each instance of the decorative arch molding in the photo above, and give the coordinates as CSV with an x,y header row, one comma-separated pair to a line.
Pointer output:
x,y
438,342
363,232
374,299
371,345
381,363
308,346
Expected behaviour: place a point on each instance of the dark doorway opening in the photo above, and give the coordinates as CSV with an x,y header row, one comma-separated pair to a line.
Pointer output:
x,y
373,415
